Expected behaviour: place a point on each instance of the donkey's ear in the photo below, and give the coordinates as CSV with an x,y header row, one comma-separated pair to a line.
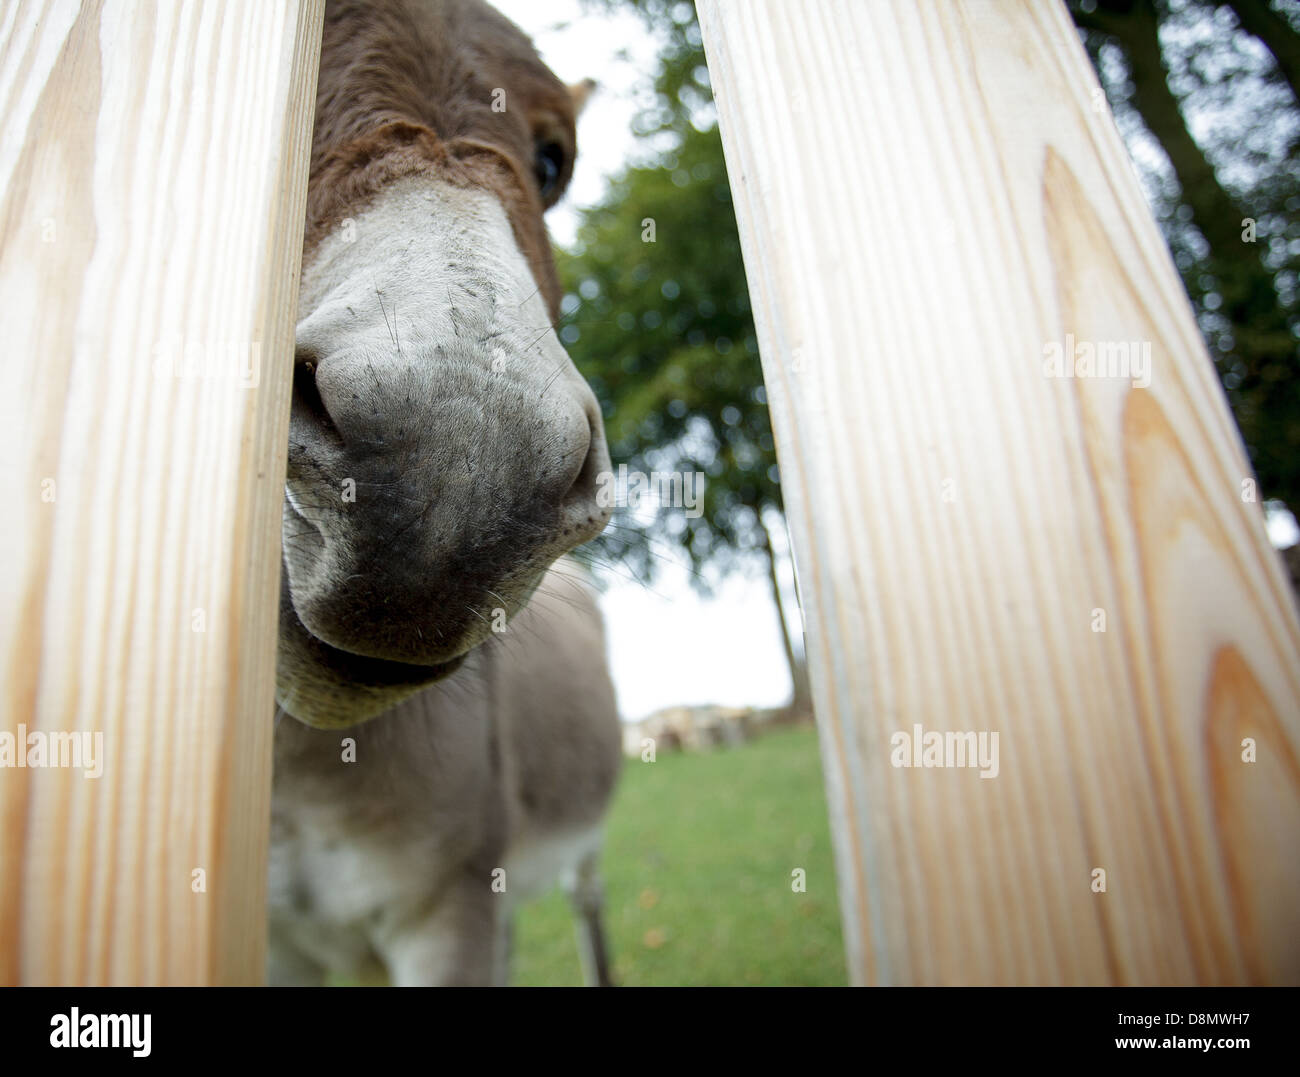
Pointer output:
x,y
580,92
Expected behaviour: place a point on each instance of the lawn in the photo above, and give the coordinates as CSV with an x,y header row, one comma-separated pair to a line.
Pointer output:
x,y
698,875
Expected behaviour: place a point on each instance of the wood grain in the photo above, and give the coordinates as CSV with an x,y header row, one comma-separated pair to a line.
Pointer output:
x,y
930,195
153,171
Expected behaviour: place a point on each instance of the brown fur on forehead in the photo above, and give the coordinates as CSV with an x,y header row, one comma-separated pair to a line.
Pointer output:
x,y
407,87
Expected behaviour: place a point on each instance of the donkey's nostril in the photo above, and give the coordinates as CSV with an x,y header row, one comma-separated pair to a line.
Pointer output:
x,y
307,402
585,480
584,512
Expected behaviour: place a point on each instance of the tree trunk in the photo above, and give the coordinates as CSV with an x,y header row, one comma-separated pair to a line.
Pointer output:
x,y
801,698
1135,27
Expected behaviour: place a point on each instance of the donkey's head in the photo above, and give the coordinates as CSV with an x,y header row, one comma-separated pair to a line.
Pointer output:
x,y
443,450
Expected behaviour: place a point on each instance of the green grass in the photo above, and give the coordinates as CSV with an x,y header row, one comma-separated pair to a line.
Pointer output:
x,y
698,882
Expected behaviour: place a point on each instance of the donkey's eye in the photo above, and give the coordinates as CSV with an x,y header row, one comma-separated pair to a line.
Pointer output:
x,y
549,164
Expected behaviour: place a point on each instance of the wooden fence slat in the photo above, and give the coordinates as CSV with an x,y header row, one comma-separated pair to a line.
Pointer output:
x,y
935,205
153,174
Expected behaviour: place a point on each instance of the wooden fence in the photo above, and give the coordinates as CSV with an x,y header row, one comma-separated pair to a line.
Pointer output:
x,y
1018,501
1019,505
153,174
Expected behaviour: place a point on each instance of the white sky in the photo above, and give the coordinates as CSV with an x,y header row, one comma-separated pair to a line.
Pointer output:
x,y
667,645
614,50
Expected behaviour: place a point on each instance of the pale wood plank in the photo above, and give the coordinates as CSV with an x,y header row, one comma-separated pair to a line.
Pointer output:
x,y
928,196
153,171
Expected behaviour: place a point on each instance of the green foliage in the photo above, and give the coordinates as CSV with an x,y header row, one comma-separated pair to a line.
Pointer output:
x,y
662,331
657,318
681,83
701,894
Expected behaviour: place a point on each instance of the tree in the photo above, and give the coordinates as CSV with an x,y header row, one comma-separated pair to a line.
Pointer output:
x,y
658,320
1227,204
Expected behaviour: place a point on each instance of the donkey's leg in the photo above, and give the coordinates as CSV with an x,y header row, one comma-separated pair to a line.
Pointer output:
x,y
505,952
460,941
288,966
587,896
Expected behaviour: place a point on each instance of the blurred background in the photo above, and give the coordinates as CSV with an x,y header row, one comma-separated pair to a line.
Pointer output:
x,y
703,623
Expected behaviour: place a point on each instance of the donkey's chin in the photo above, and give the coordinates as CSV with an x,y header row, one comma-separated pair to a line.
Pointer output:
x,y
331,681
327,687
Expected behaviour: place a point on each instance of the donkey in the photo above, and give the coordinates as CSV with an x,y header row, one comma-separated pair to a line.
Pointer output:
x,y
451,741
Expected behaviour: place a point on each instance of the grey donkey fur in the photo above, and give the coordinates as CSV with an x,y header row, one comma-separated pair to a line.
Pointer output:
x,y
447,740
386,863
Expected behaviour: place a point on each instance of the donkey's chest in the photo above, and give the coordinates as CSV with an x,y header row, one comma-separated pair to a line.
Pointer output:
x,y
336,887
337,874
